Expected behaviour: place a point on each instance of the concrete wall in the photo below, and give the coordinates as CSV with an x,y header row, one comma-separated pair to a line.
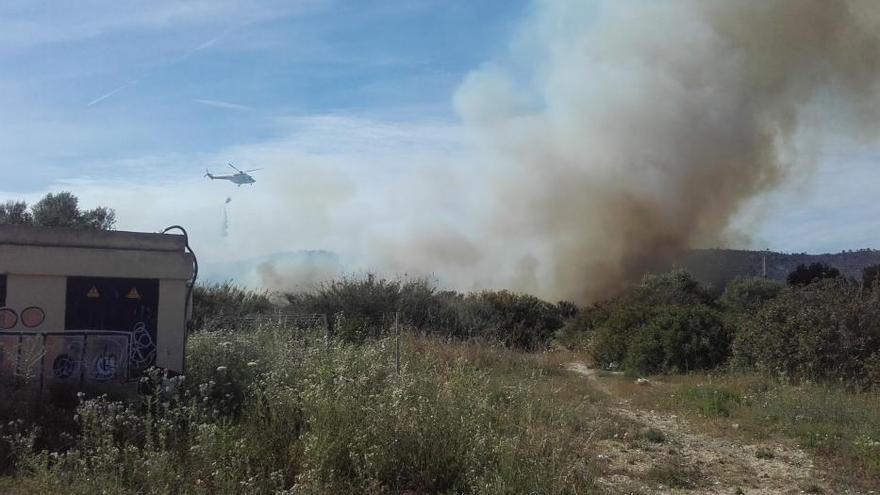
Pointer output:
x,y
46,292
171,332
94,262
22,235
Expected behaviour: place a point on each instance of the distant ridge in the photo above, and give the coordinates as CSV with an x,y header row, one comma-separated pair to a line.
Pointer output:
x,y
716,267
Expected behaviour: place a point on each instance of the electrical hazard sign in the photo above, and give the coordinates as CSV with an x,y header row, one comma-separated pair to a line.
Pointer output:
x,y
133,294
93,293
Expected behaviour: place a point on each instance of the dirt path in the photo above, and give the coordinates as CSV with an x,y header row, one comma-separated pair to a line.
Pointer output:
x,y
667,455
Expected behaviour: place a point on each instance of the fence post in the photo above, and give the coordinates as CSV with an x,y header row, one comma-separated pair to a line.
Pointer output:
x,y
328,334
397,331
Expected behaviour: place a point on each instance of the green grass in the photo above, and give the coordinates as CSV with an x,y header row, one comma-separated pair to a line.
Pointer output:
x,y
710,401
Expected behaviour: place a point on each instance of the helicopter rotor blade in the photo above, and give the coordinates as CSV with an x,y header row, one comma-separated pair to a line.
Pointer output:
x,y
234,167
252,170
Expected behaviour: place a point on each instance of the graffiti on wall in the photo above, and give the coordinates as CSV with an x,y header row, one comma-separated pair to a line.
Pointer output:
x,y
142,351
117,304
67,357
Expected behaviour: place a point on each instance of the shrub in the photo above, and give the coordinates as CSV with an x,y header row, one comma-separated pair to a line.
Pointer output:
x,y
517,320
610,342
805,275
817,332
654,339
679,339
366,297
747,295
577,330
222,304
362,307
677,287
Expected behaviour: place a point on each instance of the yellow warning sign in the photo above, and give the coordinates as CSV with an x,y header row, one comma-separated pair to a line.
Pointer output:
x,y
133,294
93,293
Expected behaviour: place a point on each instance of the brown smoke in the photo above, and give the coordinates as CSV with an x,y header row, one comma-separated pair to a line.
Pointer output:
x,y
622,135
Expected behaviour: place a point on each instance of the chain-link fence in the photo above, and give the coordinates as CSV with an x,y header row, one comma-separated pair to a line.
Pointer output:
x,y
306,329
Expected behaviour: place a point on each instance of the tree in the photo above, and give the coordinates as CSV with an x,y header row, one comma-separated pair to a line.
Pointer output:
x,y
15,213
101,218
805,275
57,210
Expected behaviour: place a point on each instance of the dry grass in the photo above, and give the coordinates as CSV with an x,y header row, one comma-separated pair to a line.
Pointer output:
x,y
842,429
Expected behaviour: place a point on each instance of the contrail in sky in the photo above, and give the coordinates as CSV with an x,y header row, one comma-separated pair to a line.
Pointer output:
x,y
223,104
111,93
187,54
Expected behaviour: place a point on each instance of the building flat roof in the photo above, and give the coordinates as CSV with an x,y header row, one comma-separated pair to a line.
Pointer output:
x,y
20,235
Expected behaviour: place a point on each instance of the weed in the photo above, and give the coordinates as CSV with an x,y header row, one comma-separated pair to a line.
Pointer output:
x,y
710,402
764,453
652,435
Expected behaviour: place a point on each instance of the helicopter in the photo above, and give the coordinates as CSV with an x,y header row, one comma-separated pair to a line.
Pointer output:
x,y
238,178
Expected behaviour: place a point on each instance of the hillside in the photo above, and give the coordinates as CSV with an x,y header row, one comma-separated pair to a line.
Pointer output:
x,y
716,267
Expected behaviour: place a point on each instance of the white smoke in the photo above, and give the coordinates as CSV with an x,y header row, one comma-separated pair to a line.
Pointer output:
x,y
624,133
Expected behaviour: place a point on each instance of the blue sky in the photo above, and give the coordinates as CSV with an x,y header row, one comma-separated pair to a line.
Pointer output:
x,y
126,103
169,77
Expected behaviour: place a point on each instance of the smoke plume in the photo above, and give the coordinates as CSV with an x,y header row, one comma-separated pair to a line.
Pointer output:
x,y
619,135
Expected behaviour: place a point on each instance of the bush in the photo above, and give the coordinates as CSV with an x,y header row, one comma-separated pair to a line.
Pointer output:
x,y
747,295
364,307
679,339
662,339
677,288
665,324
821,331
578,329
805,275
517,320
610,342
222,304
368,297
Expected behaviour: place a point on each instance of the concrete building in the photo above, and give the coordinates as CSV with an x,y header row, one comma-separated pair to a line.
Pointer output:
x,y
85,305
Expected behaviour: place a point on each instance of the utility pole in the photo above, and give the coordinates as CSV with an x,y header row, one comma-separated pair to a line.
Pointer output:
x,y
397,331
764,264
